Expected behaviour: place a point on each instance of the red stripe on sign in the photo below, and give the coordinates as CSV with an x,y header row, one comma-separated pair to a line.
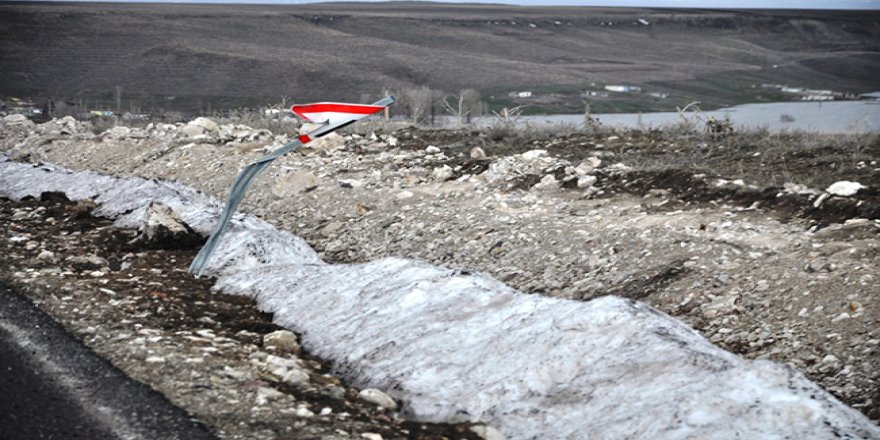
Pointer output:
x,y
304,138
357,109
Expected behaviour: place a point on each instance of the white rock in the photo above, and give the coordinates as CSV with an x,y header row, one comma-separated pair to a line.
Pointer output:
x,y
391,141
117,132
302,411
830,359
371,436
14,119
487,432
284,341
294,182
534,154
162,226
275,362
377,397
404,195
46,256
845,188
154,360
586,181
266,394
442,174
432,150
548,182
295,377
477,153
207,124
330,141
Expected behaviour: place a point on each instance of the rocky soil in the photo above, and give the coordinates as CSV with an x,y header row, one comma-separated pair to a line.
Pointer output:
x,y
214,355
766,269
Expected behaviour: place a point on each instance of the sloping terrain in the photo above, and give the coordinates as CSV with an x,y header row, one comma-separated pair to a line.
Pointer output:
x,y
203,57
772,267
433,336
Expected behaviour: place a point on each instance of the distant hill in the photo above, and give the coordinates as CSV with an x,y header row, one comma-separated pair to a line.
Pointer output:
x,y
194,57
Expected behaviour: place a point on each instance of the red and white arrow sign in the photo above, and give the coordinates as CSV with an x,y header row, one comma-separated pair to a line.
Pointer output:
x,y
333,113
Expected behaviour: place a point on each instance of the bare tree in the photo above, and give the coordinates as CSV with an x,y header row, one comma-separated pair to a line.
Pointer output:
x,y
419,101
509,116
463,106
118,99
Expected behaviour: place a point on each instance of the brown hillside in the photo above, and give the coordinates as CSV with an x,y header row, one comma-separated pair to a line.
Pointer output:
x,y
189,57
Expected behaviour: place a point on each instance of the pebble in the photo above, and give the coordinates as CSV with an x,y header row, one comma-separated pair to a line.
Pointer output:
x,y
284,341
295,377
377,397
487,432
266,394
46,257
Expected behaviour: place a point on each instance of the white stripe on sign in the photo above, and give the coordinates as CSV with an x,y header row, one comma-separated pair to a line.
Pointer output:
x,y
334,112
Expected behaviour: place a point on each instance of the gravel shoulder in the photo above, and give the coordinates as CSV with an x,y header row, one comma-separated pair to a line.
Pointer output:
x,y
764,270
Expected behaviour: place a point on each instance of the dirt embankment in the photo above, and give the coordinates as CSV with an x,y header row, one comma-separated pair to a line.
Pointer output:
x,y
759,252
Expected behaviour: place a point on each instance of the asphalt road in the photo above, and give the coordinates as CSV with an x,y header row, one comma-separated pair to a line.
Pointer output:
x,y
54,387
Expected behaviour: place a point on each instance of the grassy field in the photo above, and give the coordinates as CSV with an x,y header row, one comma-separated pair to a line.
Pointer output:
x,y
197,58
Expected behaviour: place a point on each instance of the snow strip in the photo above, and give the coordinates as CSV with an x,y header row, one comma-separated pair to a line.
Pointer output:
x,y
457,346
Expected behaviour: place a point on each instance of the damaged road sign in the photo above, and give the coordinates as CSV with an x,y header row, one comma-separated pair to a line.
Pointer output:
x,y
332,116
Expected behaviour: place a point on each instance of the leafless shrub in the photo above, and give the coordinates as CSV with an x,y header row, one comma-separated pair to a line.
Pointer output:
x,y
590,122
417,103
463,106
689,122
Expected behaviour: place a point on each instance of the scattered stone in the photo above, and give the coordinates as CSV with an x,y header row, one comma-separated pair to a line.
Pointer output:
x,y
82,209
117,132
371,436
379,398
432,150
163,229
46,257
487,432
534,154
586,181
295,377
292,183
266,395
478,153
87,262
442,174
284,341
15,119
547,182
845,188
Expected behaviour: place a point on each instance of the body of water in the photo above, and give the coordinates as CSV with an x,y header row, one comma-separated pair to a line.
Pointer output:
x,y
818,117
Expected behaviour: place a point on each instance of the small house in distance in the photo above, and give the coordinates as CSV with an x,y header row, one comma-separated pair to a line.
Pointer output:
x,y
873,96
623,88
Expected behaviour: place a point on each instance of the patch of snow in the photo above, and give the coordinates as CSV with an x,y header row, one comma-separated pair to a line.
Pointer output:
x,y
455,346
